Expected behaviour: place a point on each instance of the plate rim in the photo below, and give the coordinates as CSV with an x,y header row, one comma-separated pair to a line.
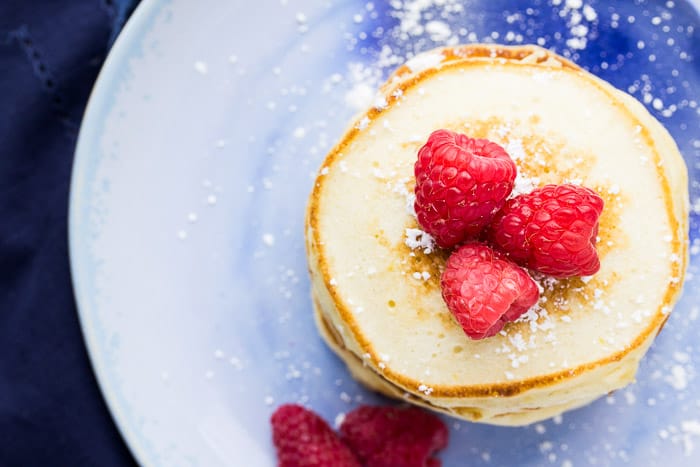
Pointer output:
x,y
85,158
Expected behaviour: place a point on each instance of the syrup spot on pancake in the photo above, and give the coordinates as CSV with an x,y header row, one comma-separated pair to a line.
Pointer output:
x,y
609,235
382,238
563,295
424,292
434,264
564,299
414,146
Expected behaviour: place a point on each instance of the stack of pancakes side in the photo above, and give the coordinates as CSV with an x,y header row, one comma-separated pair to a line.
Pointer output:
x,y
376,282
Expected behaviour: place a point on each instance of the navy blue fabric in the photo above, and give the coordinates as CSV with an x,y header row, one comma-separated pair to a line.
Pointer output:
x,y
51,409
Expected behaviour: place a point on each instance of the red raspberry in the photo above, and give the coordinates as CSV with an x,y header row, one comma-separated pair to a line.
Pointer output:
x,y
302,438
552,230
394,436
460,184
484,290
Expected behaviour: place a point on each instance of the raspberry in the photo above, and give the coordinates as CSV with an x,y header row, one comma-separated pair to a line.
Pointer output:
x,y
394,436
552,230
460,184
484,290
302,438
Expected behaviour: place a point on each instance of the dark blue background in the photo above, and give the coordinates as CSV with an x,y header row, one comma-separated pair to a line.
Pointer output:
x,y
51,410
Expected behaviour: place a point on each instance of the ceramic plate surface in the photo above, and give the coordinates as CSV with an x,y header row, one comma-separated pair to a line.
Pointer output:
x,y
195,159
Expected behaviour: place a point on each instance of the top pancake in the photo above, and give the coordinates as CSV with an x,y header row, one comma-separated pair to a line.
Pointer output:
x,y
560,124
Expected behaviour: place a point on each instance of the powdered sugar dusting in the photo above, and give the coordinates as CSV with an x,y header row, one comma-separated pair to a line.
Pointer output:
x,y
418,239
424,61
677,378
524,183
412,18
364,82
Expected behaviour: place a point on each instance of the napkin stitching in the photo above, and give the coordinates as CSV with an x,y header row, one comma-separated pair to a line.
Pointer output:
x,y
23,39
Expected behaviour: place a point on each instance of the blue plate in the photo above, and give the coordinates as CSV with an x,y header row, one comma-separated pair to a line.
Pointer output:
x,y
194,162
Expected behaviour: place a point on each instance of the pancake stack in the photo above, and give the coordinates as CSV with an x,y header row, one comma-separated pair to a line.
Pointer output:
x,y
376,277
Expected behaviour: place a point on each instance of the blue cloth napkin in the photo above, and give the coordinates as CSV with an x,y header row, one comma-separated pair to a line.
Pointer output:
x,y
51,409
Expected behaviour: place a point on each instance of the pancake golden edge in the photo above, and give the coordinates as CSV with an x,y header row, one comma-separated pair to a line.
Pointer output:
x,y
587,336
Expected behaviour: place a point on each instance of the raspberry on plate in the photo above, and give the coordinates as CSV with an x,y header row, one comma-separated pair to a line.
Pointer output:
x,y
552,230
302,438
484,290
460,184
394,436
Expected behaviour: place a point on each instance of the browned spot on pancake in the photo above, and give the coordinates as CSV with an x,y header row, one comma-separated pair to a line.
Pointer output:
x,y
382,238
562,294
424,313
610,237
547,155
571,294
448,321
470,412
411,261
413,145
663,323
421,313
529,53
418,260
575,291
507,53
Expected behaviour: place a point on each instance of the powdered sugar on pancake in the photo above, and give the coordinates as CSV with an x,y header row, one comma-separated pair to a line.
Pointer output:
x,y
418,239
424,61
